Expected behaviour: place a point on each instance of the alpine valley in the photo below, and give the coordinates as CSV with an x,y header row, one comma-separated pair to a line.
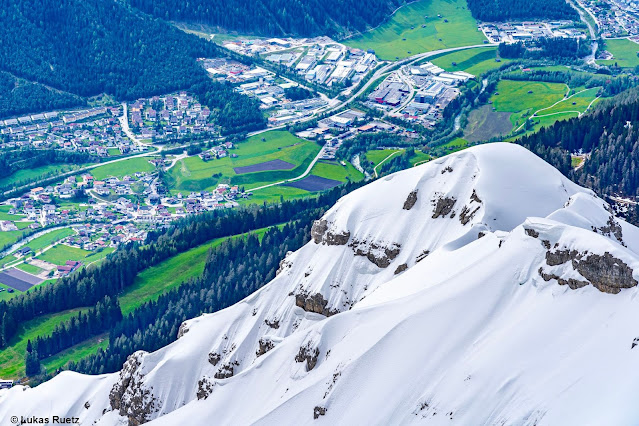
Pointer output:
x,y
480,288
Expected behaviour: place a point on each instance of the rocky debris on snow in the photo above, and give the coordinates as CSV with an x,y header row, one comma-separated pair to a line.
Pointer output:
x,y
410,200
214,358
314,303
423,255
475,197
606,273
87,405
466,214
318,411
309,354
226,370
204,388
265,345
531,232
447,169
182,330
611,229
272,323
129,396
443,206
284,264
401,268
635,342
320,234
380,255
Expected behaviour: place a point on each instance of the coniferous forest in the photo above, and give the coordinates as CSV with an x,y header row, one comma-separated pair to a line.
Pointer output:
x,y
235,270
276,17
610,134
504,10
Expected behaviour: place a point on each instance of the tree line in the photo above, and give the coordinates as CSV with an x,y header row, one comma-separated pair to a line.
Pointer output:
x,y
276,17
508,10
118,271
233,271
18,96
609,134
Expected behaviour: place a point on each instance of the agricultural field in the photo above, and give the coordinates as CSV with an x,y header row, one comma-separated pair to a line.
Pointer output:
x,y
123,168
260,153
473,61
624,53
376,156
403,35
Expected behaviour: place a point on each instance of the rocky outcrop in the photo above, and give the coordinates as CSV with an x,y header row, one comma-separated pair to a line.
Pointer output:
x,y
475,197
401,268
380,255
466,214
318,411
265,345
308,354
605,272
214,358
320,234
410,200
447,169
275,323
443,206
226,370
423,255
314,303
129,396
531,233
182,330
204,388
612,228
570,282
318,230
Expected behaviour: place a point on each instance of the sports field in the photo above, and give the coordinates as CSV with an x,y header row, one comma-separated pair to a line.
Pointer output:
x,y
416,28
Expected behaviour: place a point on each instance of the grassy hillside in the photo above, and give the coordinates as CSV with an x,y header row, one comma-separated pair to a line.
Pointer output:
x,y
403,32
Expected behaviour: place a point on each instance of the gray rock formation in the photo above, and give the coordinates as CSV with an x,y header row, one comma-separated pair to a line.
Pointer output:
x,y
314,303
410,200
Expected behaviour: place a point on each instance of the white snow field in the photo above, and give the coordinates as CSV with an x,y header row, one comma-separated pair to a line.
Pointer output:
x,y
482,288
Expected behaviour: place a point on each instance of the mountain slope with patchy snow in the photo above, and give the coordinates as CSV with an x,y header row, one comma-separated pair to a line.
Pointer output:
x,y
480,288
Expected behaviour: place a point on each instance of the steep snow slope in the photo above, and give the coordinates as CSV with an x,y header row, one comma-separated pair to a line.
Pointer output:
x,y
481,288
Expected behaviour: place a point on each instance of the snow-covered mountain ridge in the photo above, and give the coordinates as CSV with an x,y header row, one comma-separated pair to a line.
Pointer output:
x,y
480,288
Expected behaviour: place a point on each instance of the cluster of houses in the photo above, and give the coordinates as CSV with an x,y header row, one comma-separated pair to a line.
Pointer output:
x,y
216,152
512,32
96,131
615,18
170,117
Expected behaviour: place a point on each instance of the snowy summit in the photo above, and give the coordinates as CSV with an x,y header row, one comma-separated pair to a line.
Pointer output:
x,y
480,288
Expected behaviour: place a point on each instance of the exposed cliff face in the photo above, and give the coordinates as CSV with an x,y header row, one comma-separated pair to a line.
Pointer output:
x,y
355,327
129,396
378,253
410,200
314,303
605,272
320,234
